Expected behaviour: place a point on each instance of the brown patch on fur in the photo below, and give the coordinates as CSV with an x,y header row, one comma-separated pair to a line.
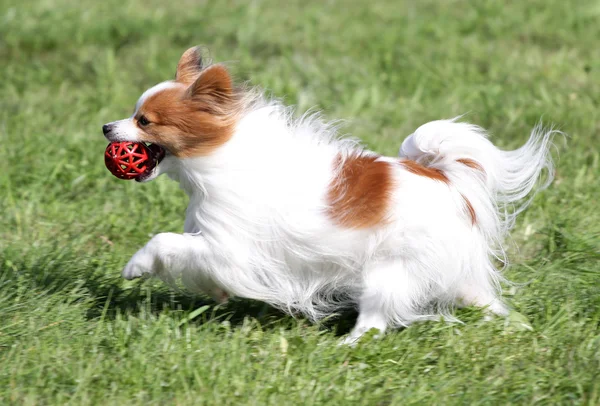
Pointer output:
x,y
471,210
437,174
418,169
359,196
196,119
471,164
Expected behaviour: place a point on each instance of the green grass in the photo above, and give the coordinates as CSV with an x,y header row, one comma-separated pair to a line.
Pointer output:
x,y
71,331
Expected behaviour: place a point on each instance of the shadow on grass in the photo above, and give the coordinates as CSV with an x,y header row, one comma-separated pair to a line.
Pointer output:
x,y
157,299
58,271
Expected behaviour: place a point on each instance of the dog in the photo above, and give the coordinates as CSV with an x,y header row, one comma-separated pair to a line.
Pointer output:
x,y
286,211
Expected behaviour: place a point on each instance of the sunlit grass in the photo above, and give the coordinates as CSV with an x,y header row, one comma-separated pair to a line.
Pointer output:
x,y
72,331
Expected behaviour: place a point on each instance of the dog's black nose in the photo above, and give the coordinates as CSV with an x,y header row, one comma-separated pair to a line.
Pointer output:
x,y
106,129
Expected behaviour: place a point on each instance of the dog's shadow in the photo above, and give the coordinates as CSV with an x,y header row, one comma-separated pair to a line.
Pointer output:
x,y
156,299
110,297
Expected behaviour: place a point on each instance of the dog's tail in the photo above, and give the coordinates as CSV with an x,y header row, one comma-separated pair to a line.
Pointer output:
x,y
496,185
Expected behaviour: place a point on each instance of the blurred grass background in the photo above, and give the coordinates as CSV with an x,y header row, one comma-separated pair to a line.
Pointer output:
x,y
71,331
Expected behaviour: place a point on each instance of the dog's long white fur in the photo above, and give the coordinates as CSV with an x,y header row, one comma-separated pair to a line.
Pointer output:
x,y
257,225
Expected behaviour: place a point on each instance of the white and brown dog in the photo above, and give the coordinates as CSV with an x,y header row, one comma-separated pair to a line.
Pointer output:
x,y
284,211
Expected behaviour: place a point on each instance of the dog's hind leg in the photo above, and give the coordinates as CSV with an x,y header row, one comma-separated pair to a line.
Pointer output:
x,y
390,297
483,295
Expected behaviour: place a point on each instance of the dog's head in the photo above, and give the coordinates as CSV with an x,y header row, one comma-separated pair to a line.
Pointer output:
x,y
187,117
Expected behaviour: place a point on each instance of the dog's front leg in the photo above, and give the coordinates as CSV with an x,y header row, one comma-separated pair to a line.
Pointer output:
x,y
172,253
167,251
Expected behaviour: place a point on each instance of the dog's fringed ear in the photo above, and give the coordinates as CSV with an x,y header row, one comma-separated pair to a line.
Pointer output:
x,y
190,65
214,84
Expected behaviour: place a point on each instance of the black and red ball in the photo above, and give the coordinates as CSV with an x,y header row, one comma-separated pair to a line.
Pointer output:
x,y
129,160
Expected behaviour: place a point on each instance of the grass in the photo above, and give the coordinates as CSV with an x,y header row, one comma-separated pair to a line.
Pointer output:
x,y
71,331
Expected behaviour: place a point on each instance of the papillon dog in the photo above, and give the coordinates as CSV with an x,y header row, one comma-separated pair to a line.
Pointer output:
x,y
286,211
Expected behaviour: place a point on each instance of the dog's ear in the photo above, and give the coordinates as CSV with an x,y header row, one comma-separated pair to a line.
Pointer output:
x,y
214,85
190,65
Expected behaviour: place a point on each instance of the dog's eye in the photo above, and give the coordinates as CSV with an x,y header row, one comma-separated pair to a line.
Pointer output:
x,y
143,121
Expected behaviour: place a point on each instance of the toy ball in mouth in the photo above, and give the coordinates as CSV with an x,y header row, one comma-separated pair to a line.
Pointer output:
x,y
132,160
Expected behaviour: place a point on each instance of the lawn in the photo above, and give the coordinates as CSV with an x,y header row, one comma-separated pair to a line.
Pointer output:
x,y
72,331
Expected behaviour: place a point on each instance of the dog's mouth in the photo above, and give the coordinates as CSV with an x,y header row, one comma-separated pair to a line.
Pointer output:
x,y
158,154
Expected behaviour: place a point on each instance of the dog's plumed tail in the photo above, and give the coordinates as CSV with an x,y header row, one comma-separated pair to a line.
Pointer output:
x,y
496,185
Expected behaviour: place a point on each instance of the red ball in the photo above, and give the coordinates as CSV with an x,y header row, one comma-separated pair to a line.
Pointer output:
x,y
129,160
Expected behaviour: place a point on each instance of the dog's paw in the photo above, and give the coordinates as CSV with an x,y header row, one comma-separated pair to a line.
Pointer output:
x,y
362,334
349,341
141,264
